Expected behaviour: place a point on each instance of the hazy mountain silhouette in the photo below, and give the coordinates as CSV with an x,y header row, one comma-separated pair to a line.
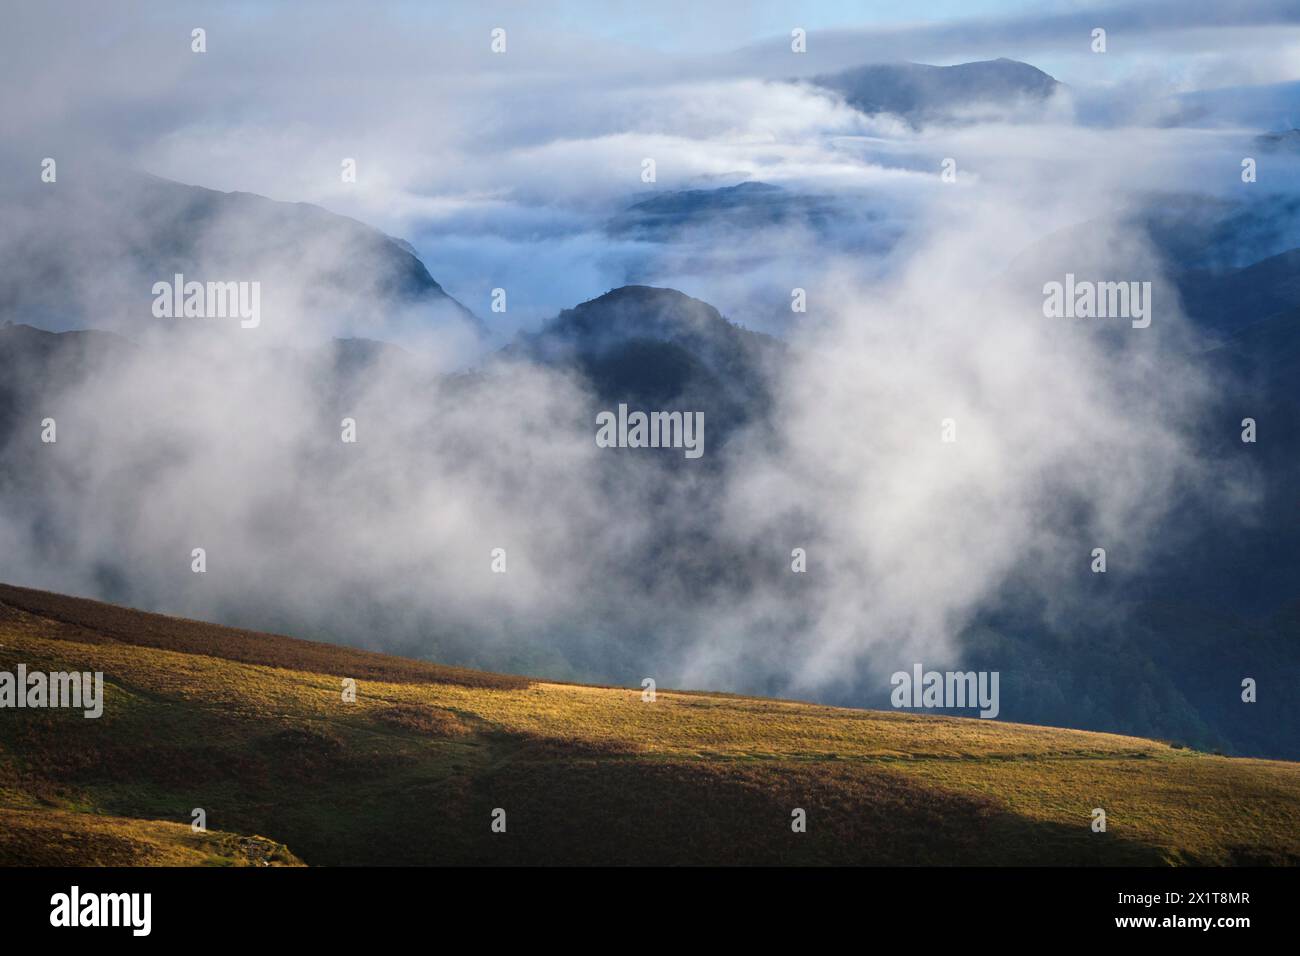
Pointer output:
x,y
921,93
658,349
97,236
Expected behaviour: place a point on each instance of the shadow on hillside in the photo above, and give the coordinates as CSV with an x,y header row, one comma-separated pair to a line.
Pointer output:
x,y
585,808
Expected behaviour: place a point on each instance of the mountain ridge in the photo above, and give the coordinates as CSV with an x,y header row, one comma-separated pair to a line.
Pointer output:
x,y
923,93
148,228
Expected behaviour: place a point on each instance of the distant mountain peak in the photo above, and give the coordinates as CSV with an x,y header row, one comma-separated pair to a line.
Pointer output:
x,y
642,294
635,311
920,92
642,313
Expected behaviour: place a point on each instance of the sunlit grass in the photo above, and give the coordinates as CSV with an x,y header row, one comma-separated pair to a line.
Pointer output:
x,y
409,772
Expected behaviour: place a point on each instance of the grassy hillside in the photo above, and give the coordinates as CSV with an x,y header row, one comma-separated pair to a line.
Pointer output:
x,y
253,729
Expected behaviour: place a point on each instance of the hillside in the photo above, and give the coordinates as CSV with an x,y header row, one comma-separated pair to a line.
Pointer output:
x,y
252,728
118,230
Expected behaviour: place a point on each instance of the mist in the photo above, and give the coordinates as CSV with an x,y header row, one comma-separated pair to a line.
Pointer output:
x,y
924,320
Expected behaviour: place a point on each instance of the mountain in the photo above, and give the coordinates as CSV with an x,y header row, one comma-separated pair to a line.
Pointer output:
x,y
1227,301
35,364
1195,232
1185,233
1232,267
606,323
255,730
1223,598
921,93
88,249
659,349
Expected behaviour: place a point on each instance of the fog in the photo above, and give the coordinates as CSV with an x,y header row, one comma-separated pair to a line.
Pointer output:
x,y
924,305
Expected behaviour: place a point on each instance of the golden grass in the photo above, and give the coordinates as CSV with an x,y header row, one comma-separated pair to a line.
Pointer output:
x,y
409,771
61,838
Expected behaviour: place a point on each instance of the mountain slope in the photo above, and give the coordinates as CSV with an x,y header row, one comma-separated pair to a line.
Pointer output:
x,y
659,349
48,837
412,771
87,251
1227,301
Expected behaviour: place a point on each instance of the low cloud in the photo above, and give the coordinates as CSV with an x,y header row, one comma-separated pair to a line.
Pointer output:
x,y
1070,434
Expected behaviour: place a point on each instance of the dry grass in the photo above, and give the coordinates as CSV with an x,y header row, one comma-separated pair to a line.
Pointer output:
x,y
61,838
411,771
95,622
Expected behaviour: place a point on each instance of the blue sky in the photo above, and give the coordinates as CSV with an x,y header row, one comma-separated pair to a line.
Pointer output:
x,y
661,26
